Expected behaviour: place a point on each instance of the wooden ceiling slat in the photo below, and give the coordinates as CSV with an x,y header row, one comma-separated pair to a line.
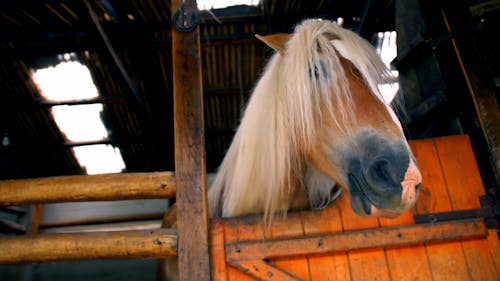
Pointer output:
x,y
58,14
69,11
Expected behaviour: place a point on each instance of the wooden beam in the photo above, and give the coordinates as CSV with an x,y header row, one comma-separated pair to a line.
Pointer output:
x,y
28,105
358,239
7,226
263,270
36,218
97,245
108,187
484,98
189,141
100,99
108,141
49,146
132,85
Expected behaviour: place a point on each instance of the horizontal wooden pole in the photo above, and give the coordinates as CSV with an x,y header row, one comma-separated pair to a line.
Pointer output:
x,y
158,243
355,240
109,187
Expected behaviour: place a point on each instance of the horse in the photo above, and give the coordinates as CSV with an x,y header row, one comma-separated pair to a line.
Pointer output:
x,y
317,123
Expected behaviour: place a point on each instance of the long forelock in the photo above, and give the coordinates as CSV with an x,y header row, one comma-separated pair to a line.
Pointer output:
x,y
319,88
364,58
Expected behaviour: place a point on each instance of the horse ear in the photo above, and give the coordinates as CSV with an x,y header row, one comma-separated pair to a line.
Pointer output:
x,y
276,41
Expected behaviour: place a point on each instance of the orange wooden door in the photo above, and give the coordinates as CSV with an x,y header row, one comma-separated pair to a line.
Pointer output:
x,y
451,181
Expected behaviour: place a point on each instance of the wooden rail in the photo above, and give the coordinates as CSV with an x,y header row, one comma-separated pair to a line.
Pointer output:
x,y
87,188
356,240
78,246
158,243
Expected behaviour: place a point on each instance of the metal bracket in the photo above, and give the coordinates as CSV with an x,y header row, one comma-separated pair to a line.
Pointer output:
x,y
489,211
186,19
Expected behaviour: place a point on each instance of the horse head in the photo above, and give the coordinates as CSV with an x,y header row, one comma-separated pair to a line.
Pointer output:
x,y
316,120
357,141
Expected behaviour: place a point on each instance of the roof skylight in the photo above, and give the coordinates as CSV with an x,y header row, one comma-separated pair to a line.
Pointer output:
x,y
219,4
99,158
69,80
80,122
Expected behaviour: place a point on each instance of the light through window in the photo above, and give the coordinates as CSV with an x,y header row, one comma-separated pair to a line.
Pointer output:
x,y
69,80
387,50
218,4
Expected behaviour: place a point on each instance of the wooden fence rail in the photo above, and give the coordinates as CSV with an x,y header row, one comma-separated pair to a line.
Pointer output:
x,y
109,187
157,243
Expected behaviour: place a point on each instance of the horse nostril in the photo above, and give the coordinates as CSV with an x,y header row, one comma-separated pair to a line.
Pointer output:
x,y
417,187
380,172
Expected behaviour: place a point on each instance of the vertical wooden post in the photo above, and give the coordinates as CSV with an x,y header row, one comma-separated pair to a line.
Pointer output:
x,y
192,216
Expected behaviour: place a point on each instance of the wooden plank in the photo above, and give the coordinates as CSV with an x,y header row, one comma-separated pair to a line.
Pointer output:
x,y
242,229
460,172
406,263
334,266
36,218
107,187
357,239
446,260
433,188
265,271
494,246
119,244
218,253
189,142
291,226
464,186
363,263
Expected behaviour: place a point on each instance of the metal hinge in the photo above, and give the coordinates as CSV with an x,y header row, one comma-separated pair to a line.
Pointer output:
x,y
489,211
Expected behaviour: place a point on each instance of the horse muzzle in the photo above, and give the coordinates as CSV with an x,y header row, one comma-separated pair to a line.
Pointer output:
x,y
384,181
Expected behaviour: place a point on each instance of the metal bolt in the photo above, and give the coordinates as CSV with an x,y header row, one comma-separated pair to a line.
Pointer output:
x,y
185,20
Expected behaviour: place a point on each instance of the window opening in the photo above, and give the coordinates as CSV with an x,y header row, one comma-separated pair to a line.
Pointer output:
x,y
67,79
387,50
219,4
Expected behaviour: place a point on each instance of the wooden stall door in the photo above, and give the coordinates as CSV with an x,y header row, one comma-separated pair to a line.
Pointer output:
x,y
451,181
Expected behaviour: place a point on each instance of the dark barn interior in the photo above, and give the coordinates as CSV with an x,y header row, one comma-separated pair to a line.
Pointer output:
x,y
131,65
448,62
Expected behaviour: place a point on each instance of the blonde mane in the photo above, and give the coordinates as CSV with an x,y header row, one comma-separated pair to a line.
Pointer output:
x,y
264,166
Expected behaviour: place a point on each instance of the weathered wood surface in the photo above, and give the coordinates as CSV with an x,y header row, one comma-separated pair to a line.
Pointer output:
x,y
456,185
109,187
357,240
189,142
451,182
118,244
